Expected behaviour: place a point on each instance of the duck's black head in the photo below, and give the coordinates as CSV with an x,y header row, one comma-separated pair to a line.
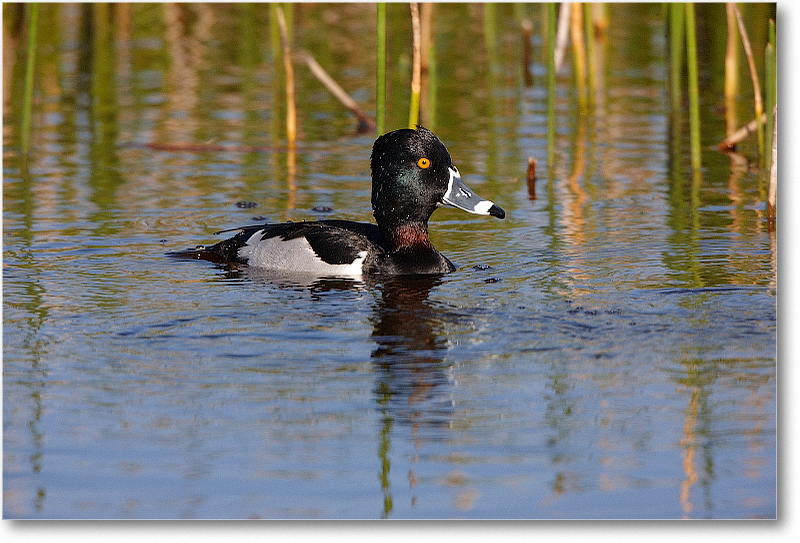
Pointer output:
x,y
412,175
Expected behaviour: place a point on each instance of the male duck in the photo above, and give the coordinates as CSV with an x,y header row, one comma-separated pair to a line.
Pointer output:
x,y
412,175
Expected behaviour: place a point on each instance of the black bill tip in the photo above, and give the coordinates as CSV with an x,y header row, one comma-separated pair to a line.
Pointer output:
x,y
495,211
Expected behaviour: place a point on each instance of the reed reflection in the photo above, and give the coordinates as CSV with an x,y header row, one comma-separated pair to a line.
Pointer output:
x,y
412,379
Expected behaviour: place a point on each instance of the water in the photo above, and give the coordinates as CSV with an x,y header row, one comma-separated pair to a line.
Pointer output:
x,y
607,351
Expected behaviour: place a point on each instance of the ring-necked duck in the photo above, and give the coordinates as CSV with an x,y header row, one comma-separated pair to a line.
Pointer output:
x,y
412,175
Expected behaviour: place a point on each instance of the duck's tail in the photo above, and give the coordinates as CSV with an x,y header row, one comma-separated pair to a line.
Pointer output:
x,y
224,252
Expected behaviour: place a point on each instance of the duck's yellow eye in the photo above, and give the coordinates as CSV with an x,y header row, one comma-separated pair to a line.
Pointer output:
x,y
423,163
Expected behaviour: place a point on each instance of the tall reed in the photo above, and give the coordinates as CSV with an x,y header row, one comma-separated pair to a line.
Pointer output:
x,y
380,98
27,103
578,53
589,31
291,112
677,28
416,71
770,88
527,52
562,34
772,195
427,102
694,92
731,71
759,104
551,86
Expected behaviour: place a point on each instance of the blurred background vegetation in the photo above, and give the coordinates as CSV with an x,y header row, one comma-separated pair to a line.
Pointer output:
x,y
50,49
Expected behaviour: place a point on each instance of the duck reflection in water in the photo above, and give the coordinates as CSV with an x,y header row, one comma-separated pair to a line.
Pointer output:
x,y
413,383
412,377
409,333
410,352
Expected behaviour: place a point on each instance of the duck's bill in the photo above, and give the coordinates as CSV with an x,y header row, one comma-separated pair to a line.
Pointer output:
x,y
461,196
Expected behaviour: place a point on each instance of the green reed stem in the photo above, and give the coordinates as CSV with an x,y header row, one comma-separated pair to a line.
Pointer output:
x,y
274,33
676,30
27,104
380,99
694,92
774,41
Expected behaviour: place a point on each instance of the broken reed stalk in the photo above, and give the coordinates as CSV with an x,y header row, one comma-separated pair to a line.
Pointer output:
x,y
364,122
291,112
562,34
731,71
759,105
578,52
773,172
416,73
694,92
30,62
729,143
531,178
380,98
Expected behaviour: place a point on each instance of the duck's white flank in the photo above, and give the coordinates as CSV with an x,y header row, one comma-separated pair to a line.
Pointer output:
x,y
294,255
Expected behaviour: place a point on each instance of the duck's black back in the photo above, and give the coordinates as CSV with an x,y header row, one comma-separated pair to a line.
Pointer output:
x,y
334,241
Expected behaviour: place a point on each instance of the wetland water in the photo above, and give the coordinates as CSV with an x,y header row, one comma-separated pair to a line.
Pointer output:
x,y
606,351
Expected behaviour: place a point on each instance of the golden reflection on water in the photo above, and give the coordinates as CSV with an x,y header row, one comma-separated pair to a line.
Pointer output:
x,y
688,444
